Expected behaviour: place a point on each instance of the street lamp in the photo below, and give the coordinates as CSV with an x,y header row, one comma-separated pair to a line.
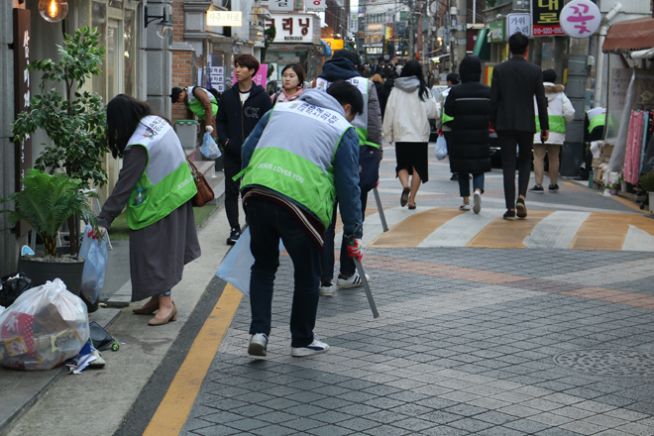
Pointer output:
x,y
53,11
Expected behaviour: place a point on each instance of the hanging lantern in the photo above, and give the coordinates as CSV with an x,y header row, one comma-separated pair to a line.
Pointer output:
x,y
53,11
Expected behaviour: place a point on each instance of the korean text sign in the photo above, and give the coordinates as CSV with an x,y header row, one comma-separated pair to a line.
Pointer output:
x,y
545,17
580,18
518,23
292,28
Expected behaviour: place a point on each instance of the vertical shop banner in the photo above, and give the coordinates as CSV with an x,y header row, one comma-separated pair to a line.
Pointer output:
x,y
280,5
545,17
518,23
216,73
292,28
315,5
22,88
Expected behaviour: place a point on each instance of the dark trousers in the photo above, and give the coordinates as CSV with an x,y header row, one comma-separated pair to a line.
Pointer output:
x,y
232,167
327,259
508,141
464,183
268,223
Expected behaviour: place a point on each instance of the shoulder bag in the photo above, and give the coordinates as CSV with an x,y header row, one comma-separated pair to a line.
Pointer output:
x,y
205,193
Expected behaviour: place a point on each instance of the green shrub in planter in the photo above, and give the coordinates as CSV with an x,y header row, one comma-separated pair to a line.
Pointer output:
x,y
647,181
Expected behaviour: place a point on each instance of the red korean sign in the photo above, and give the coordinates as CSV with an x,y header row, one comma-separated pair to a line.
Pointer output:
x,y
545,17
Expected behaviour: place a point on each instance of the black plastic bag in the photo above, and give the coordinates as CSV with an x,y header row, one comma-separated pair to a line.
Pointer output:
x,y
12,286
101,338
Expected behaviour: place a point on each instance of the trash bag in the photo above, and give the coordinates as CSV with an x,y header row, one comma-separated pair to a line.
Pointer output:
x,y
11,287
441,147
235,267
95,253
209,149
45,326
101,338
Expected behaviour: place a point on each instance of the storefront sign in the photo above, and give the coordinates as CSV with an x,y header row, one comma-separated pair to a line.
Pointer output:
x,y
580,18
315,5
334,43
22,88
496,31
518,23
545,17
292,28
217,77
280,5
224,18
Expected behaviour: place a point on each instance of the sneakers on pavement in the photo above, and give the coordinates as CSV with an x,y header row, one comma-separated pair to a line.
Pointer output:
x,y
553,188
316,347
476,202
258,344
354,281
327,290
537,189
234,234
465,207
509,215
520,208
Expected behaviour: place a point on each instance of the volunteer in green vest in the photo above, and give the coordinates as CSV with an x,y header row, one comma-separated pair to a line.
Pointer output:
x,y
201,102
155,186
560,112
297,160
343,66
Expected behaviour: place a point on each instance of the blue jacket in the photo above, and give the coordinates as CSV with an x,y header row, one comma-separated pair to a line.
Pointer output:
x,y
346,163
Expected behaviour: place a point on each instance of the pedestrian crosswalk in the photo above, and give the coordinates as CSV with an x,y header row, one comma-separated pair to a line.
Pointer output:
x,y
562,229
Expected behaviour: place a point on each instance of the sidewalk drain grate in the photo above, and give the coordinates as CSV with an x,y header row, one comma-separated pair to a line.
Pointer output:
x,y
619,363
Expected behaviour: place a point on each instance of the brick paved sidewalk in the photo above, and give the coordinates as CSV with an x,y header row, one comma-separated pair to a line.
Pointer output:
x,y
470,341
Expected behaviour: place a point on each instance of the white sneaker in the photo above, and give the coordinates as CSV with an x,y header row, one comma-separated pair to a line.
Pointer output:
x,y
354,281
316,347
327,290
476,202
258,344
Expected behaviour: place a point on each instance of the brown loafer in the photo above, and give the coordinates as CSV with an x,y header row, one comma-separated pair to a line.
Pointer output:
x,y
171,317
148,308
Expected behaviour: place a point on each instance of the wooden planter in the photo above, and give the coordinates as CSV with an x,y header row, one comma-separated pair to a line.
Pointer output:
x,y
40,270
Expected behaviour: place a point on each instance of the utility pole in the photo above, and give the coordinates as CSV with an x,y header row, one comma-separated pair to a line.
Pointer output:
x,y
412,50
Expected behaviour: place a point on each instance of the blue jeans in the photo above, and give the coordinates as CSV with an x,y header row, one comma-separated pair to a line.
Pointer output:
x,y
464,183
268,223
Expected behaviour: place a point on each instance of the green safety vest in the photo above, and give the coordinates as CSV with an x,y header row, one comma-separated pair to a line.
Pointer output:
x,y
166,183
196,105
298,162
445,118
360,122
556,122
595,121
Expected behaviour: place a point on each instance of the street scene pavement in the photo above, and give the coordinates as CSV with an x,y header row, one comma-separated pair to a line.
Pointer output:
x,y
543,326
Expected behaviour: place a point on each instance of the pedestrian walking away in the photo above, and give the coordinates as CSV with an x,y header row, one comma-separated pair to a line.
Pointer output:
x,y
155,185
560,112
299,158
406,124
343,66
469,148
243,106
292,84
515,84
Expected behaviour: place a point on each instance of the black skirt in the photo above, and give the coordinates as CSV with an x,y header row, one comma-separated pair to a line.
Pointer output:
x,y
410,156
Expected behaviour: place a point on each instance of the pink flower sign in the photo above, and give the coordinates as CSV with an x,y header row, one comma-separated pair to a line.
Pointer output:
x,y
580,18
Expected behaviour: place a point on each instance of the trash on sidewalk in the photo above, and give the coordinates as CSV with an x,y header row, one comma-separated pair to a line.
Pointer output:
x,y
209,149
96,255
101,338
88,357
11,287
45,326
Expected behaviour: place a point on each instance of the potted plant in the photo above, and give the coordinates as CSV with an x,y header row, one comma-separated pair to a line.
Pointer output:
x,y
73,121
46,202
646,182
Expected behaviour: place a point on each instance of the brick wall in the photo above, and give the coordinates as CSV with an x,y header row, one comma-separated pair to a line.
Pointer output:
x,y
178,20
182,61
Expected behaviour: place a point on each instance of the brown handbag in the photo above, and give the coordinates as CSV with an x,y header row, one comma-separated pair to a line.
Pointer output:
x,y
205,193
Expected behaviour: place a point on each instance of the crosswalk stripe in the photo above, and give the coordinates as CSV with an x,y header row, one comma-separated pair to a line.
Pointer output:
x,y
638,240
557,230
503,234
601,231
415,228
460,230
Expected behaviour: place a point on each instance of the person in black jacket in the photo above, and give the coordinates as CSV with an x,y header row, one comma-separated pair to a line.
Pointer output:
x,y
469,150
242,106
515,84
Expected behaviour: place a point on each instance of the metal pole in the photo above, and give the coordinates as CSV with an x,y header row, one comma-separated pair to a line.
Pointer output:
x,y
366,287
380,209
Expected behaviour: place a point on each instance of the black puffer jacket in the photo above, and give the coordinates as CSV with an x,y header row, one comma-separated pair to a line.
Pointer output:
x,y
469,104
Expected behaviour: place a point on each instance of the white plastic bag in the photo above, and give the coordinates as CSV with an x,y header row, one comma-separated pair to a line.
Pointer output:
x,y
209,149
95,253
45,326
237,264
441,147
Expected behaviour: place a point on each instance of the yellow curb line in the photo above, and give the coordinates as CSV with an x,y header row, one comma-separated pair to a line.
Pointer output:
x,y
176,405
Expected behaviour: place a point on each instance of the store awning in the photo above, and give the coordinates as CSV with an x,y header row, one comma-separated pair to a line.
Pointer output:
x,y
630,35
481,49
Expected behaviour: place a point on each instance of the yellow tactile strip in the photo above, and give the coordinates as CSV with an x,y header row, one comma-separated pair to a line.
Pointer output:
x,y
415,228
507,234
607,231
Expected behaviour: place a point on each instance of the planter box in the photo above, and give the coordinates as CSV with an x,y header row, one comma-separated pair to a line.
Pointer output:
x,y
650,198
40,270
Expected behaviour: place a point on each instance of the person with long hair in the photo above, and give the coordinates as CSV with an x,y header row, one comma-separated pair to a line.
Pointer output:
x,y
292,84
155,185
406,123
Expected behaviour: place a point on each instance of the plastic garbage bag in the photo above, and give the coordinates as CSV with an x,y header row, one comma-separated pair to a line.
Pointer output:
x,y
45,326
95,253
209,149
441,147
235,267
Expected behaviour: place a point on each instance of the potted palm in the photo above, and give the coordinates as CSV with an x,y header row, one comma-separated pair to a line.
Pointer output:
x,y
46,202
646,182
73,120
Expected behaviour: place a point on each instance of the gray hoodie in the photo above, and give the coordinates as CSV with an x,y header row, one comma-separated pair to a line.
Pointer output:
x,y
407,84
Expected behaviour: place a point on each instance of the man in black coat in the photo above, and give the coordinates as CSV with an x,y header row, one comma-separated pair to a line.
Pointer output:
x,y
468,143
515,83
242,107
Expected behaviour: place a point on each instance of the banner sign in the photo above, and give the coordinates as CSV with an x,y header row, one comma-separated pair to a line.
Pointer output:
x,y
22,88
292,28
224,18
580,18
280,5
518,23
496,31
545,17
315,5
